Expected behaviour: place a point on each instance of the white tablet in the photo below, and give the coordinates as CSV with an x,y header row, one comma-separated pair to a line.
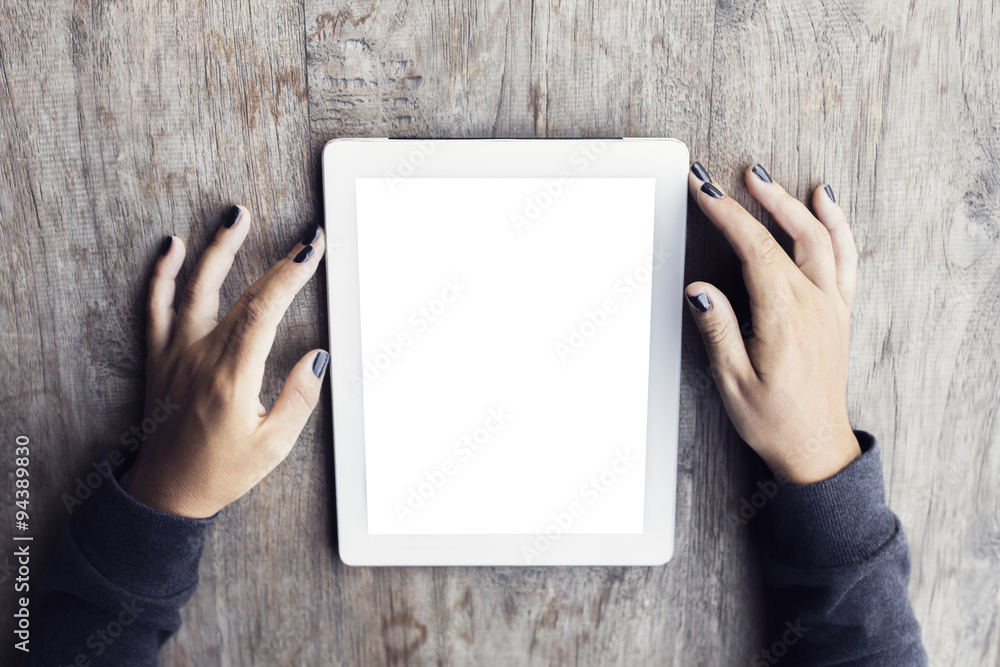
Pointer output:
x,y
505,334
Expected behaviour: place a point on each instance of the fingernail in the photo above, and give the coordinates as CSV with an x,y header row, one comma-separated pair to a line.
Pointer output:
x,y
712,191
699,170
165,246
235,213
762,174
829,193
700,302
320,363
311,235
304,254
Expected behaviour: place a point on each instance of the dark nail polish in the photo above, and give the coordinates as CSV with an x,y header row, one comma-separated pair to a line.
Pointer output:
x,y
311,235
165,246
712,191
320,363
304,254
699,170
699,302
829,193
762,174
235,213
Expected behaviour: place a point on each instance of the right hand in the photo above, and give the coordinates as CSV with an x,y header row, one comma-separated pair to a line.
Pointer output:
x,y
785,387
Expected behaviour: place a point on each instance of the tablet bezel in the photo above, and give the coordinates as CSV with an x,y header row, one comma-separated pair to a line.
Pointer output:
x,y
343,161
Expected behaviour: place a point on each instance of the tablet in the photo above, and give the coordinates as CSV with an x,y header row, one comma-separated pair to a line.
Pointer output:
x,y
505,328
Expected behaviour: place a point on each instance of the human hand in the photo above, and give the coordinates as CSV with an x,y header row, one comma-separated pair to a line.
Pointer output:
x,y
220,441
785,386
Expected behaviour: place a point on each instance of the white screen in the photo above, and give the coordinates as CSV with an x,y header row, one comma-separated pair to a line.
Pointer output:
x,y
505,353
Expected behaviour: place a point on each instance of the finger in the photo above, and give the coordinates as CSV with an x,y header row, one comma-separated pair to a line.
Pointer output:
x,y
199,307
162,287
248,329
720,330
766,266
297,400
812,246
310,237
701,173
845,251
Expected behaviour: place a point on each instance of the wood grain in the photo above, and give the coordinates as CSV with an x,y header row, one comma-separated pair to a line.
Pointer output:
x,y
122,122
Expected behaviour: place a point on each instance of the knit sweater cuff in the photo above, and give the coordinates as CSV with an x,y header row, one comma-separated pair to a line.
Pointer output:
x,y
151,553
836,521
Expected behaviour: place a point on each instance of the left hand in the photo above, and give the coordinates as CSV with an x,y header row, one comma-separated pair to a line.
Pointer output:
x,y
219,441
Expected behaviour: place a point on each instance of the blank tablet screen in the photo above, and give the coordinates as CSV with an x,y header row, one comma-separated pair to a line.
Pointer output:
x,y
505,353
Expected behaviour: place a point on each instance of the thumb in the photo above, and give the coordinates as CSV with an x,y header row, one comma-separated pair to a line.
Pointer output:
x,y
720,331
298,398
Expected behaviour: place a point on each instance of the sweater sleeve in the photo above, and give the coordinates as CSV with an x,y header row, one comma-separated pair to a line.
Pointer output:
x,y
118,578
837,569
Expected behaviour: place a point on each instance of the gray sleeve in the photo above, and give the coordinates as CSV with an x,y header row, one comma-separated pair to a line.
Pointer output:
x,y
837,568
116,583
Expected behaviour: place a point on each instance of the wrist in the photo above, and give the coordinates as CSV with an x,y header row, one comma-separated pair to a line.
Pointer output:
x,y
814,464
156,495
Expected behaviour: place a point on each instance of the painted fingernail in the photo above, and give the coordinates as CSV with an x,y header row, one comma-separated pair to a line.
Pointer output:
x,y
304,254
320,363
700,302
762,174
165,246
698,169
712,191
235,213
311,235
829,193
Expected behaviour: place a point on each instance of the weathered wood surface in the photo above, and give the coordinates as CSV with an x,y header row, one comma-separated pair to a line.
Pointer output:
x,y
125,121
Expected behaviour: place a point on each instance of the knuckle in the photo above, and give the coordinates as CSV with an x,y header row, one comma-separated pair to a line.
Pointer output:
x,y
220,390
238,345
192,291
764,247
736,386
215,247
798,327
257,309
716,330
821,236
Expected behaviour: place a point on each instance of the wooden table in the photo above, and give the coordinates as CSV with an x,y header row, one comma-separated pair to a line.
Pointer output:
x,y
125,121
